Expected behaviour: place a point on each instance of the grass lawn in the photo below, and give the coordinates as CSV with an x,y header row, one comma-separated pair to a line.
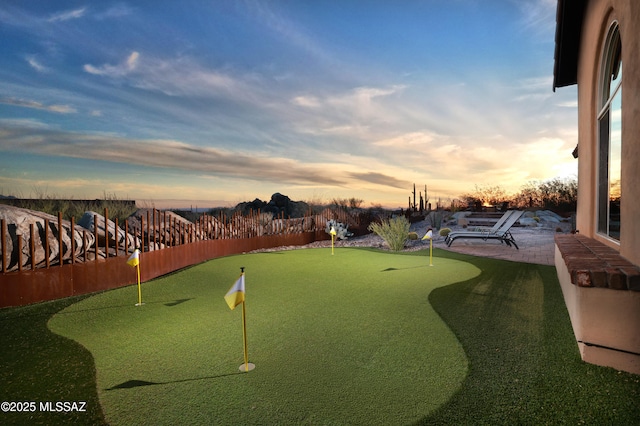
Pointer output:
x,y
362,337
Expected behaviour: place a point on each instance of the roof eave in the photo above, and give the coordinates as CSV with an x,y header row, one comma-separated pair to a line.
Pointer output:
x,y
569,18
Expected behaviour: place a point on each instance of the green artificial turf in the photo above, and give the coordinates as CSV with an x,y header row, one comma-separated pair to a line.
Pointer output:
x,y
349,338
39,366
520,357
525,367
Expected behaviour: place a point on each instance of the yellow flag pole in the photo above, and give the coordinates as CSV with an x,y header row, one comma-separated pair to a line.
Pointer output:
x,y
244,338
139,290
429,236
246,367
333,236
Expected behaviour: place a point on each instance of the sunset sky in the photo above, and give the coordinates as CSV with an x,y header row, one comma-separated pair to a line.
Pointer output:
x,y
210,103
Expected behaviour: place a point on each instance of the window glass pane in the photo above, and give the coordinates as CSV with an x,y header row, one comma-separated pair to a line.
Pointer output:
x,y
603,174
615,163
609,166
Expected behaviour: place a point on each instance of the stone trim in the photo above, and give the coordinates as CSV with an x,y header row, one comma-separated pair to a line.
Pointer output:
x,y
593,264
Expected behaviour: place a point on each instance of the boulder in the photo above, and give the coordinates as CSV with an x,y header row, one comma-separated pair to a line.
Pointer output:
x,y
19,221
548,216
462,221
528,221
342,230
90,220
278,205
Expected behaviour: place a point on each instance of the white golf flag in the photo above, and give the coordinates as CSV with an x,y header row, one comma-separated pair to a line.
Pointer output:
x,y
235,295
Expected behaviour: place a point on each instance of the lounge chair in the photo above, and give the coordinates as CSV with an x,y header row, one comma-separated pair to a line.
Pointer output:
x,y
503,233
491,230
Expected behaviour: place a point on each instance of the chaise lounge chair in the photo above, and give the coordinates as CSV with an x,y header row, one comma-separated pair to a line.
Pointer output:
x,y
502,233
491,230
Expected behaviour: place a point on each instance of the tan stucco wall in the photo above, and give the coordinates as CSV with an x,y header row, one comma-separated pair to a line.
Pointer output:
x,y
599,15
605,322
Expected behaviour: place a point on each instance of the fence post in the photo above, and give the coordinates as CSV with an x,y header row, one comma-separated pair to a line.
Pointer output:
x,y
95,236
106,233
142,233
73,240
115,234
32,248
162,238
85,249
168,229
46,243
3,244
154,227
126,237
60,248
148,233
19,250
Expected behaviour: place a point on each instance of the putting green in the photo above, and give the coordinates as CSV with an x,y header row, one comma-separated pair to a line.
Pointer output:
x,y
342,339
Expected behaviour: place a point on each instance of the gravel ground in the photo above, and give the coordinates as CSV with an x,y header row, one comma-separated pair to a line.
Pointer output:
x,y
536,245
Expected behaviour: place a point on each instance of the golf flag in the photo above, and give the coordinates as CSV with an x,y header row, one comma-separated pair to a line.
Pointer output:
x,y
429,236
333,231
333,237
235,295
134,259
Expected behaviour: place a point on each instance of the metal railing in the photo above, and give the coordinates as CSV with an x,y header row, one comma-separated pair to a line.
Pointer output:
x,y
81,261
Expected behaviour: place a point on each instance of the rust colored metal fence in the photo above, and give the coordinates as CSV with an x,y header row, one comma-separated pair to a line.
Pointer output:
x,y
166,245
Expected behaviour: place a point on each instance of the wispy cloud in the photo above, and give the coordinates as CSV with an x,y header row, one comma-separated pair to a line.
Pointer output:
x,y
286,29
568,104
61,109
67,15
382,179
412,140
163,153
538,15
35,64
114,71
115,11
182,76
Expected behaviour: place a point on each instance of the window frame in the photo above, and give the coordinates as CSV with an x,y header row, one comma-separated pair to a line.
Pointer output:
x,y
609,138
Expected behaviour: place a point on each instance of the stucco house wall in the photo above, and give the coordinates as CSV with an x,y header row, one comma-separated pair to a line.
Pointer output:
x,y
598,17
601,295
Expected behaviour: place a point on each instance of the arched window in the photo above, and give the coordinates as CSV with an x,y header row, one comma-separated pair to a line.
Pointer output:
x,y
610,137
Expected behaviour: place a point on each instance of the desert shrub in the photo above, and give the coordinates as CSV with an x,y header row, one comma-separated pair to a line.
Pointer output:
x,y
435,219
413,236
444,232
52,204
394,231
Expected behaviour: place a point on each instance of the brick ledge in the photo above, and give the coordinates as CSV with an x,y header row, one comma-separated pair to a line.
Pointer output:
x,y
593,264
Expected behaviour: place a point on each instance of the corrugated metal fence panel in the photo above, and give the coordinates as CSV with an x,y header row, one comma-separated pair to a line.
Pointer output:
x,y
31,286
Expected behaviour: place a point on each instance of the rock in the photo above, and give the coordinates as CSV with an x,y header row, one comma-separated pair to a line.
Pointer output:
x,y
278,205
548,216
116,236
19,222
548,213
342,230
528,221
